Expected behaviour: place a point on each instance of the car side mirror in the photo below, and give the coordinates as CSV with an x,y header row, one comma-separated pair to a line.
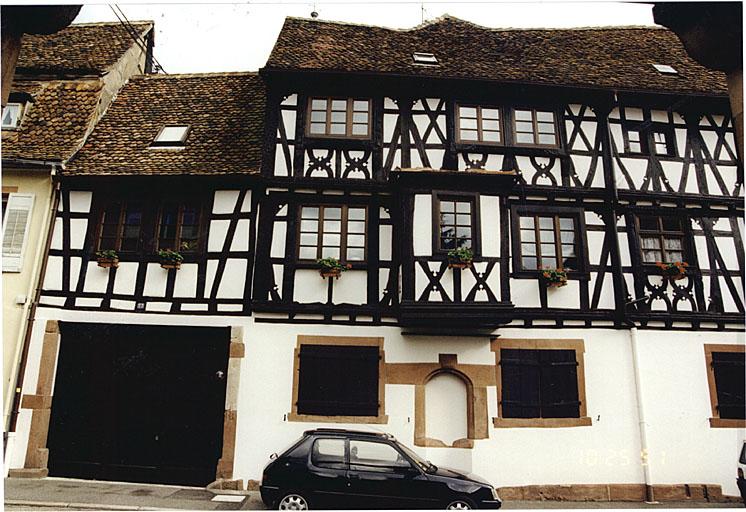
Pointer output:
x,y
273,456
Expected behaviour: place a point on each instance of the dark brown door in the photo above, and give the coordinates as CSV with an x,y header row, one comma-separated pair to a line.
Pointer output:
x,y
139,403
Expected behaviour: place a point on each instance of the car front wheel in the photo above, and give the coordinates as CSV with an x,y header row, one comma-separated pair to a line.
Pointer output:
x,y
292,501
460,504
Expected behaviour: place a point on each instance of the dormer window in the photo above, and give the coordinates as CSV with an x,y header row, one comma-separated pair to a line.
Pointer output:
x,y
12,114
171,136
665,69
425,58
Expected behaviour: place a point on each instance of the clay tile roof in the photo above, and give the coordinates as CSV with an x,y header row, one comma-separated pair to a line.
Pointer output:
x,y
224,111
56,121
618,58
83,48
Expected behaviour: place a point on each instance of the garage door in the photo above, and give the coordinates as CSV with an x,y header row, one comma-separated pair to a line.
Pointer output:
x,y
139,403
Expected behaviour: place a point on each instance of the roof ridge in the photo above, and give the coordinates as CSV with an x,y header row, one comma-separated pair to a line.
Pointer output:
x,y
447,17
102,23
196,75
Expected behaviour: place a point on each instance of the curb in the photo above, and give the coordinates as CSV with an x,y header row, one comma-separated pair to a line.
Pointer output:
x,y
88,506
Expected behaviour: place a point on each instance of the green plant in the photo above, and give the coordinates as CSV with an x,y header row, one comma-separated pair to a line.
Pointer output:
x,y
107,254
554,276
462,254
168,255
332,265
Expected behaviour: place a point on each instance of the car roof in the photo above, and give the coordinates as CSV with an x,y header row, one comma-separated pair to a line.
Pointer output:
x,y
344,432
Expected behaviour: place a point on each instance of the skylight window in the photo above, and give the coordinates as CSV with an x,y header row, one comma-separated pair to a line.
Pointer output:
x,y
171,136
666,69
12,115
425,58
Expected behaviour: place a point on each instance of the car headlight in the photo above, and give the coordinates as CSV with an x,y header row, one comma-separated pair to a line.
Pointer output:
x,y
494,494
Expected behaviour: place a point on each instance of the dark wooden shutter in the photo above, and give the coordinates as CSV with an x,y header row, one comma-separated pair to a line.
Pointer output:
x,y
730,383
539,384
520,383
338,380
559,384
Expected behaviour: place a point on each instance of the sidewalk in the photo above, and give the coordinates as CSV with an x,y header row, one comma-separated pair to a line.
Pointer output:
x,y
68,494
64,493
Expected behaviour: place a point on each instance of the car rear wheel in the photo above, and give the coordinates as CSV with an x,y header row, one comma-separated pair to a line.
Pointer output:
x,y
460,504
292,501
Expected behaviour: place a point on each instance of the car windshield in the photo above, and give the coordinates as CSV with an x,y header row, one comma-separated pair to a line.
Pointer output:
x,y
419,461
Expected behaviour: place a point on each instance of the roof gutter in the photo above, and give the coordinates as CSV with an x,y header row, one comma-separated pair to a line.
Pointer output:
x,y
30,163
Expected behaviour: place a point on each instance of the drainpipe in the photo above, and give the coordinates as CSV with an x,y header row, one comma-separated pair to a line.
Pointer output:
x,y
49,224
644,459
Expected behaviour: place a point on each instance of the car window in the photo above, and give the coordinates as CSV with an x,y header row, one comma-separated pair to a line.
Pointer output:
x,y
742,460
372,456
328,453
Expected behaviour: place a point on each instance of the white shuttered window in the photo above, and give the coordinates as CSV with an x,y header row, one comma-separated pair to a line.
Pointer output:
x,y
16,221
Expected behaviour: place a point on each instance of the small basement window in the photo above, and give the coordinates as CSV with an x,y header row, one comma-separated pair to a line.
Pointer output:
x,y
171,136
425,58
665,69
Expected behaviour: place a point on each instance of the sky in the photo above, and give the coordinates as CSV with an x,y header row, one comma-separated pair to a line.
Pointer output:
x,y
201,37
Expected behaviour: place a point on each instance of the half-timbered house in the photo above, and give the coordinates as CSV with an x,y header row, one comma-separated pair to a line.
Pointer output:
x,y
596,155
440,172
132,372
63,84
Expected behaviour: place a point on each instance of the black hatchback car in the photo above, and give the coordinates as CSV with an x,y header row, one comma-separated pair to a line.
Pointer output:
x,y
331,468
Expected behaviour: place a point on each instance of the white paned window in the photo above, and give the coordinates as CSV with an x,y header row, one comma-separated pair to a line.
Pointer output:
x,y
339,117
332,232
535,128
16,221
12,115
479,124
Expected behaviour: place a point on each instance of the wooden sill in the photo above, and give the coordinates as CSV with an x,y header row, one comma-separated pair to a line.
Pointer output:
x,y
585,421
727,423
311,418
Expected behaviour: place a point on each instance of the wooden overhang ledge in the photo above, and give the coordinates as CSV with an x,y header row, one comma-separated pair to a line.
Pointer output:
x,y
483,179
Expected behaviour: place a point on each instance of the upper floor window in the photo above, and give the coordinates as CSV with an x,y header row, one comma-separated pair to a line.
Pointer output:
x,y
339,117
661,239
178,227
455,223
478,124
120,226
17,209
647,140
12,114
534,127
126,226
548,241
332,231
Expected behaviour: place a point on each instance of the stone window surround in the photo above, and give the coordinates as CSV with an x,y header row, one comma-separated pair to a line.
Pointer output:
x,y
541,344
715,420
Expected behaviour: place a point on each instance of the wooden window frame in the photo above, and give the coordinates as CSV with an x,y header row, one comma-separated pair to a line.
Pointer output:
x,y
475,221
179,221
120,228
534,121
480,138
344,219
647,131
715,420
13,263
381,418
581,247
348,118
661,234
578,346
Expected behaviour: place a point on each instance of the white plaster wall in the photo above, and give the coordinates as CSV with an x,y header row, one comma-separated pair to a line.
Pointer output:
x,y
423,225
682,445
445,406
489,216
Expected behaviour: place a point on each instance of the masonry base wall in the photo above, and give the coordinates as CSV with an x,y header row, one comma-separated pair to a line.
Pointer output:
x,y
579,462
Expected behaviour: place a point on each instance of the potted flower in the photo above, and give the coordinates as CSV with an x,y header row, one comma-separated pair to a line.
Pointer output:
x,y
460,258
553,277
107,258
331,267
170,259
674,271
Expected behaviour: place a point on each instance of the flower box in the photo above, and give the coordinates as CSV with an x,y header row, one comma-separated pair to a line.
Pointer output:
x,y
673,271
108,262
460,258
170,259
553,277
331,267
